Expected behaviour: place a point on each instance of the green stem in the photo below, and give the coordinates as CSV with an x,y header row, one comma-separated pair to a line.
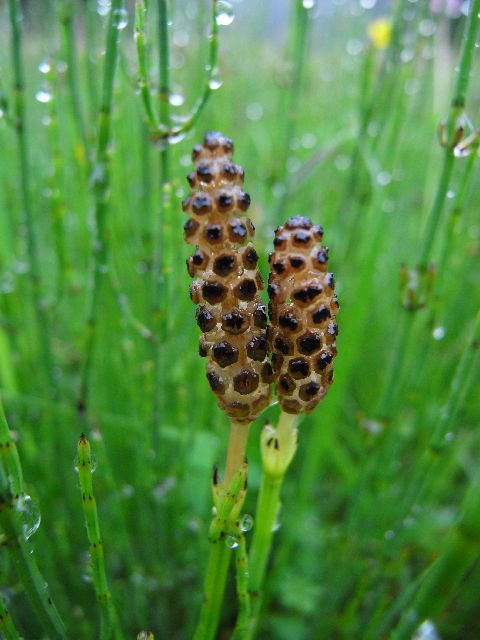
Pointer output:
x,y
298,46
108,618
442,578
278,447
32,248
101,186
7,626
432,226
11,489
69,51
219,558
213,590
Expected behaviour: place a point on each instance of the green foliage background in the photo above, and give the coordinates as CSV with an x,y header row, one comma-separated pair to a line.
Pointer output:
x,y
328,126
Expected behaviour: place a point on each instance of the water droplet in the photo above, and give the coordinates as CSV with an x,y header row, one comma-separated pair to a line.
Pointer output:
x,y
254,111
45,66
103,7
461,151
384,178
215,81
449,437
180,38
426,631
368,4
43,96
342,162
406,55
389,535
412,86
29,515
120,18
225,14
438,333
163,488
308,140
308,4
354,47
450,194
427,28
246,522
176,99
61,66
231,542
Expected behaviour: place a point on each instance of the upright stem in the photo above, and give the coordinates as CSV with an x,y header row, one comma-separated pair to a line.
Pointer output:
x,y
219,558
298,44
68,45
32,248
278,450
237,446
432,226
162,234
11,490
101,185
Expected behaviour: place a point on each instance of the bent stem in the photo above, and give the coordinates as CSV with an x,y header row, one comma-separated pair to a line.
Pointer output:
x,y
278,448
219,558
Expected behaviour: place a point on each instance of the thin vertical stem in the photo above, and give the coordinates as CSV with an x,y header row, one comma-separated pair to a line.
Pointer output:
x,y
7,626
162,236
108,618
32,248
432,226
101,185
11,491
219,558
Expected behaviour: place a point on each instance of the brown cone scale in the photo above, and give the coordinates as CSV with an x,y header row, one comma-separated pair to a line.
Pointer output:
x,y
303,309
226,282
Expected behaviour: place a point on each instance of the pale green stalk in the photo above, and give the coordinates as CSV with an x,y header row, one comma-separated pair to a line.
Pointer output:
x,y
108,617
243,594
101,186
278,448
230,498
19,116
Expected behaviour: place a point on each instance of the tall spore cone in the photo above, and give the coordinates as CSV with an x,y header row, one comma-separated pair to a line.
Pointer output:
x,y
230,314
303,307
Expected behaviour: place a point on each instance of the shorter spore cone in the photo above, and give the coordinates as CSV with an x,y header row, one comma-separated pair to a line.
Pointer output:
x,y
303,308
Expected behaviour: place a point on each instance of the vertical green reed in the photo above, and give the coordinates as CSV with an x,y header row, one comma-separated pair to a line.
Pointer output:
x,y
297,46
108,616
19,116
7,625
453,132
11,493
460,551
66,11
100,180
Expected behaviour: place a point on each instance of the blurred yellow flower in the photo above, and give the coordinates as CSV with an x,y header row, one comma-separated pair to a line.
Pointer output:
x,y
380,32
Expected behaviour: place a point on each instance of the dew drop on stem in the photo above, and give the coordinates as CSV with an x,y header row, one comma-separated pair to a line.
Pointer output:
x,y
225,14
29,515
120,18
246,522
231,542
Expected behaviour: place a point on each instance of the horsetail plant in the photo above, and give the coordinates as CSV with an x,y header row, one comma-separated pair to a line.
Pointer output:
x,y
233,322
100,179
14,505
302,338
163,132
108,617
19,119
